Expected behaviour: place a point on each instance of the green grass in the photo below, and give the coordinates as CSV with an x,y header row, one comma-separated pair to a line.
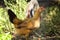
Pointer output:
x,y
5,36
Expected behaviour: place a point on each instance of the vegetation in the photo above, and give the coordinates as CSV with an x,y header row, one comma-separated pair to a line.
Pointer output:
x,y
50,19
18,7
